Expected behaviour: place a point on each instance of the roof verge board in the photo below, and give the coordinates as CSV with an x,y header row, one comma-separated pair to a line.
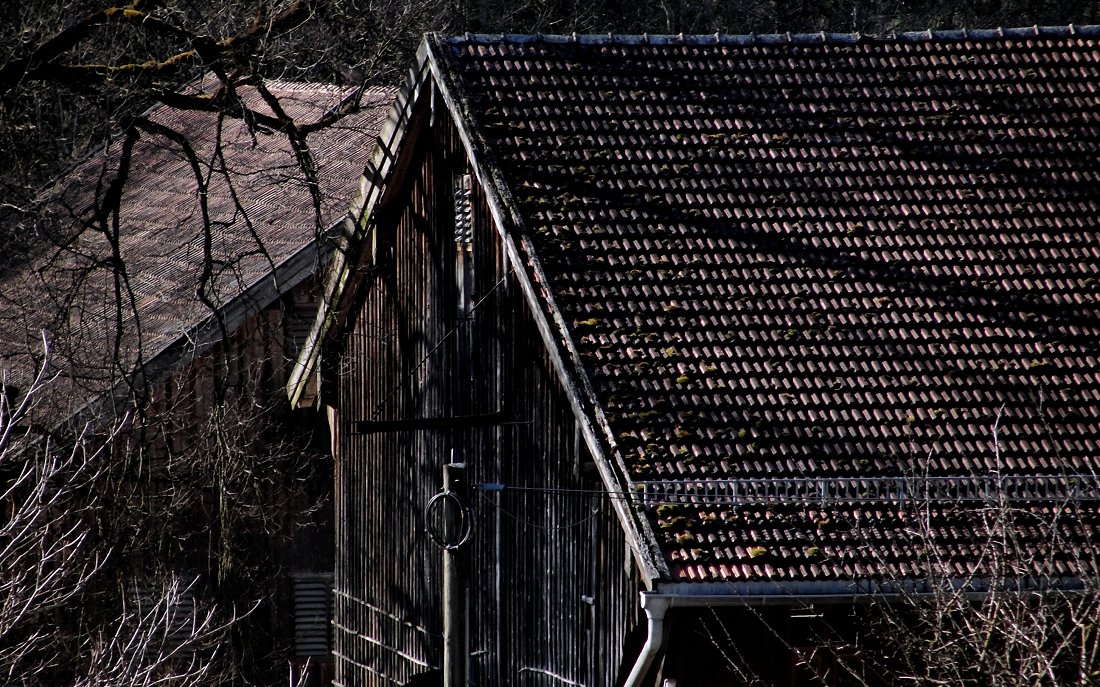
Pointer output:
x,y
812,260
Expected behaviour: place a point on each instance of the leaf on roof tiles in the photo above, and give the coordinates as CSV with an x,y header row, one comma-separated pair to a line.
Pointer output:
x,y
811,551
682,379
757,551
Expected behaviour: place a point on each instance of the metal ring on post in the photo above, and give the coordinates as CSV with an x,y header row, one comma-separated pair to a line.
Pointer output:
x,y
441,500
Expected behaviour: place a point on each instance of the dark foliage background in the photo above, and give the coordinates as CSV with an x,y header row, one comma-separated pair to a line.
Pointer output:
x,y
62,99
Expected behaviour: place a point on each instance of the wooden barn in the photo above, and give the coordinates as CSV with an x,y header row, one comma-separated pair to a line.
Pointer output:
x,y
171,286
707,321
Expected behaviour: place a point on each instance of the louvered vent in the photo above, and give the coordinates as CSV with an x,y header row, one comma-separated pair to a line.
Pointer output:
x,y
464,231
312,614
168,608
300,319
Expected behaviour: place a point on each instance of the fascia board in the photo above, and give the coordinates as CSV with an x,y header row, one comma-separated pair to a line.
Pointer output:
x,y
556,337
355,243
204,334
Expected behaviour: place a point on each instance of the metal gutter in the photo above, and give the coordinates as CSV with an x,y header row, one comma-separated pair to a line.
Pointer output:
x,y
807,593
845,591
819,38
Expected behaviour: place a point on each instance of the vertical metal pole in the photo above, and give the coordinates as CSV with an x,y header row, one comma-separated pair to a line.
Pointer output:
x,y
454,594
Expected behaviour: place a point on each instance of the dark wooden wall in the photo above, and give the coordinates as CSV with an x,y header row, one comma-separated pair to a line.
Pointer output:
x,y
552,594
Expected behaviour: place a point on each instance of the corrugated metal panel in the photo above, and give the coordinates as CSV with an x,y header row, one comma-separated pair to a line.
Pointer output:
x,y
312,614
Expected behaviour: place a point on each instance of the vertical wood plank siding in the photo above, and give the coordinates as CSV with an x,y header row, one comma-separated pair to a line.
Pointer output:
x,y
551,593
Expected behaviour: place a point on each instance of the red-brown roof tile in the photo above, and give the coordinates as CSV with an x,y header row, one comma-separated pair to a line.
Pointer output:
x,y
813,257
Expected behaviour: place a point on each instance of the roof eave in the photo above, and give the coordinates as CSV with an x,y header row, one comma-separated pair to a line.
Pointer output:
x,y
203,335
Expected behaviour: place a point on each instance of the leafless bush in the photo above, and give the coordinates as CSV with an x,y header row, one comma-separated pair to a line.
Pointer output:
x,y
162,637
999,592
71,611
1023,611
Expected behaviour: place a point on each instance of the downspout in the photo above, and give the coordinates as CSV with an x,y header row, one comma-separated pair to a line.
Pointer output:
x,y
655,606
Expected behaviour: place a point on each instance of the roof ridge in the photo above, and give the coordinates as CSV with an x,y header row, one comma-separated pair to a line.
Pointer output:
x,y
818,38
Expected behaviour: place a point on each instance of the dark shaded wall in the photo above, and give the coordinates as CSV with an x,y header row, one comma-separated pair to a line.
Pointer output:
x,y
442,330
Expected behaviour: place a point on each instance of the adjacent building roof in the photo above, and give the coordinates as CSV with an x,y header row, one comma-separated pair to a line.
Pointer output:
x,y
810,280
121,293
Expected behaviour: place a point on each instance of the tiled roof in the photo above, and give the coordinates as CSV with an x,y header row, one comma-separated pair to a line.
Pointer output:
x,y
812,256
260,211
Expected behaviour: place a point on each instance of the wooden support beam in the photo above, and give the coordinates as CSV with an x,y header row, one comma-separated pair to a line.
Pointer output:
x,y
455,646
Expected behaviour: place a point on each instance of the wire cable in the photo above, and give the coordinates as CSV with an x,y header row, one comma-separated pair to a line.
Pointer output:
x,y
527,523
409,375
497,486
